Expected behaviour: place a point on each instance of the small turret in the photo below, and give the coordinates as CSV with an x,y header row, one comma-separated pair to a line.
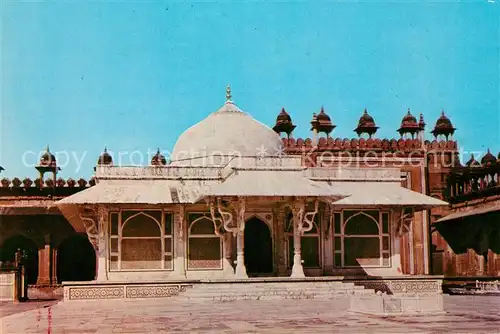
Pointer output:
x,y
322,123
443,127
409,125
488,159
472,162
421,129
47,163
105,158
284,123
366,124
158,159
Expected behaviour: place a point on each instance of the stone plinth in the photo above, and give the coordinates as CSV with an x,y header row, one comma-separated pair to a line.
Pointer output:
x,y
404,296
399,304
121,290
221,289
45,292
401,284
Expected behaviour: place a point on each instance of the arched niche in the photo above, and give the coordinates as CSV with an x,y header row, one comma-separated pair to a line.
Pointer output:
x,y
141,242
22,245
365,239
76,259
204,243
258,247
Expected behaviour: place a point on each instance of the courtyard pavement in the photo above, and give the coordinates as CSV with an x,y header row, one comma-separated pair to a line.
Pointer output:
x,y
465,314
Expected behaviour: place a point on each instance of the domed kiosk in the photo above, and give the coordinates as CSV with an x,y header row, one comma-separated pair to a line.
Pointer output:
x,y
225,133
190,219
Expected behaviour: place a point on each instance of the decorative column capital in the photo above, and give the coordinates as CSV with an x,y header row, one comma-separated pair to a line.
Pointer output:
x,y
241,214
89,219
304,219
223,214
404,220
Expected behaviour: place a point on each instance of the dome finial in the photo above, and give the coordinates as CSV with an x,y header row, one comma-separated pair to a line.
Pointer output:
x,y
228,94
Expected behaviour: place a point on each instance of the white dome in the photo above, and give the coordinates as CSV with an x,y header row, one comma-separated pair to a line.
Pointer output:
x,y
228,131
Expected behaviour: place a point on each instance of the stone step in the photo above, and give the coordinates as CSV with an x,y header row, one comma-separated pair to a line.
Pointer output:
x,y
271,291
275,296
249,287
267,291
229,298
218,286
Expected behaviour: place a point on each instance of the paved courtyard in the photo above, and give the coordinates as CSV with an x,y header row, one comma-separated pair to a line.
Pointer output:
x,y
466,314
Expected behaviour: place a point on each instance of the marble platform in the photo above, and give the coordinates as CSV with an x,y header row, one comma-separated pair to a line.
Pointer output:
x,y
411,290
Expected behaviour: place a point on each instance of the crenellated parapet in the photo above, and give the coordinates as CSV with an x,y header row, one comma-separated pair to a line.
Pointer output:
x,y
411,130
300,145
441,145
28,187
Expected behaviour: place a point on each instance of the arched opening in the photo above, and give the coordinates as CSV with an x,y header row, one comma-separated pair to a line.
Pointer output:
x,y
141,243
258,247
366,239
76,259
29,252
205,245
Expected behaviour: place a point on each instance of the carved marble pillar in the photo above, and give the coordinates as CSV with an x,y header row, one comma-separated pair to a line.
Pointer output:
x,y
227,259
328,237
95,223
241,270
397,232
298,214
180,241
102,244
302,222
223,215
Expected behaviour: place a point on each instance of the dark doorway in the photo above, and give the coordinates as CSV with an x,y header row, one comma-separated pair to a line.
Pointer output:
x,y
76,259
258,248
28,249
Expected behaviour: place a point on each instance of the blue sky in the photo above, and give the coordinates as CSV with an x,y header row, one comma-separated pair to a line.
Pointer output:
x,y
133,75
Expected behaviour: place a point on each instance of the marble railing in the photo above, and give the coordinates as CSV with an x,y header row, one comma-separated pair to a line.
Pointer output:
x,y
157,172
353,174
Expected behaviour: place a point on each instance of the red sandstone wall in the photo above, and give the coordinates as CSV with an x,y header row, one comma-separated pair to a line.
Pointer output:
x,y
446,262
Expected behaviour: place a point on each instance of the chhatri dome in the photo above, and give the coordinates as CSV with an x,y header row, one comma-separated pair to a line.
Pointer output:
x,y
227,131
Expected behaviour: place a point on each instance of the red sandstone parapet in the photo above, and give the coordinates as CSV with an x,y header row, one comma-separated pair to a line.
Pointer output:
x,y
292,145
49,183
